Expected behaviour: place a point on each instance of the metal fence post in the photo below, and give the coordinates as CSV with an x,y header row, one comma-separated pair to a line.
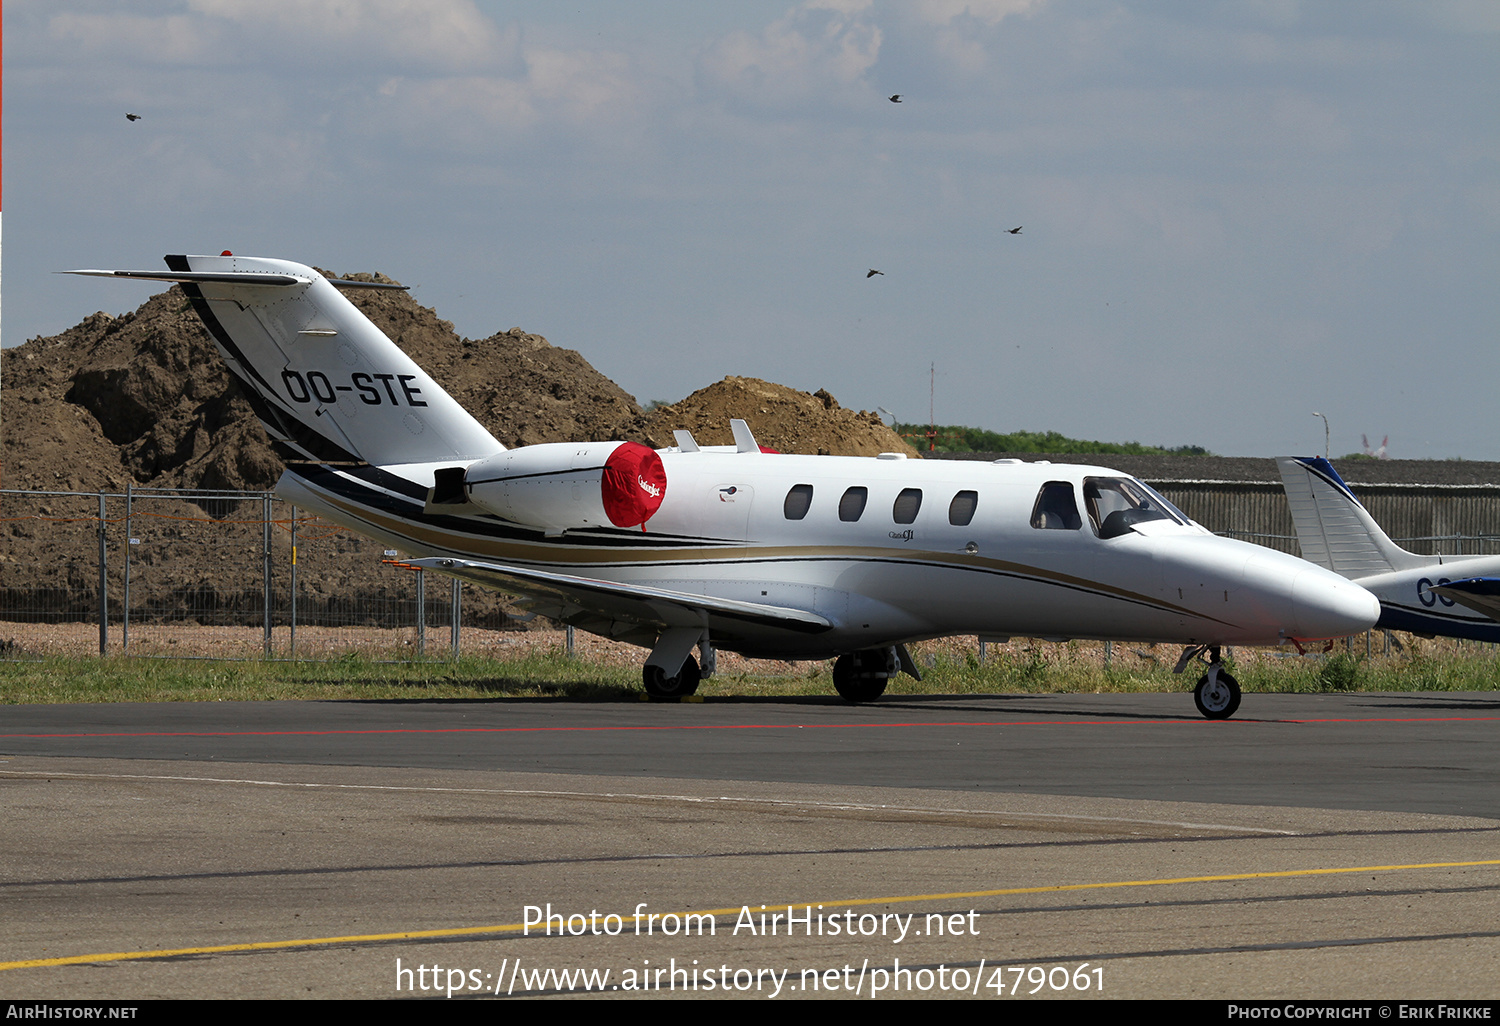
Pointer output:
x,y
421,613
455,617
125,607
103,585
570,641
265,520
294,584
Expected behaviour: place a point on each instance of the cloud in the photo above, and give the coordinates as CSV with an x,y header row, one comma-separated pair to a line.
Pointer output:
x,y
823,48
173,39
450,34
316,35
397,73
555,87
990,12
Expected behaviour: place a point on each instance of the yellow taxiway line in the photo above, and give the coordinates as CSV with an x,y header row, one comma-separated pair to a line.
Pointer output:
x,y
477,931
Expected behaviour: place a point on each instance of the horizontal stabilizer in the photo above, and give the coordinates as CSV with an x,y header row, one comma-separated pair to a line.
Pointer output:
x,y
659,607
234,278
1481,594
225,277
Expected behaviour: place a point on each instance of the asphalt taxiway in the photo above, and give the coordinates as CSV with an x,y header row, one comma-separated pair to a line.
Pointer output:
x,y
1314,846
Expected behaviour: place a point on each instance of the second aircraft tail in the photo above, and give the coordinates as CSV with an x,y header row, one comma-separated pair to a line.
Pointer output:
x,y
1333,527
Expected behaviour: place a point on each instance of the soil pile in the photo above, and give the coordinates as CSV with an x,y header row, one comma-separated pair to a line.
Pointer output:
x,y
781,418
144,398
141,397
518,385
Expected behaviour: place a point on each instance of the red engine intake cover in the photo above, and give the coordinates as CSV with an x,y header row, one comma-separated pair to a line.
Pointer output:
x,y
634,484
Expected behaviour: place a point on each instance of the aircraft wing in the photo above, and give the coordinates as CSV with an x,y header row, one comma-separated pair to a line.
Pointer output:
x,y
652,608
1481,594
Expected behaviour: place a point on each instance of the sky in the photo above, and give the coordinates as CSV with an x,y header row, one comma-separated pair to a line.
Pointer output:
x,y
1233,214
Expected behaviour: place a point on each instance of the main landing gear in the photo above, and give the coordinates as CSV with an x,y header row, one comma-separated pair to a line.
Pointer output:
x,y
660,686
857,676
673,654
862,676
1217,695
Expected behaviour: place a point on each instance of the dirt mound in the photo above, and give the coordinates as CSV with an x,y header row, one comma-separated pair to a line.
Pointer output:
x,y
144,397
141,397
782,418
518,385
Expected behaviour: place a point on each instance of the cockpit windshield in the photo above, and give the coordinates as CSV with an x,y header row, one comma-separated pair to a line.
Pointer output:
x,y
1116,503
1171,510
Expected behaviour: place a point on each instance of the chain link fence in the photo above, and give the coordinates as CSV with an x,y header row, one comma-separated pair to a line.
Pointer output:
x,y
219,575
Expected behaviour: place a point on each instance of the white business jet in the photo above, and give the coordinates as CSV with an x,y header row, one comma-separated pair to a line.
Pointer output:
x,y
734,547
1455,596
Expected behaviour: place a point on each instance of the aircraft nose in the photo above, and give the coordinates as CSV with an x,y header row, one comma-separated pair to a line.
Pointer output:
x,y
1325,605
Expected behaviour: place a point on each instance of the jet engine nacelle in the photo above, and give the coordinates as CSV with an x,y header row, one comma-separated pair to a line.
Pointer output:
x,y
558,486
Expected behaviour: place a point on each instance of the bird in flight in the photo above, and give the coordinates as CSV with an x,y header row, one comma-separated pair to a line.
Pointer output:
x,y
1014,231
874,272
896,98
132,117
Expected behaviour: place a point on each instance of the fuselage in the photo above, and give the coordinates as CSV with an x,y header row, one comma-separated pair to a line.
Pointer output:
x,y
1409,603
890,550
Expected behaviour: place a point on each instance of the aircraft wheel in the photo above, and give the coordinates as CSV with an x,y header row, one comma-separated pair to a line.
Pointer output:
x,y
851,685
1218,700
661,687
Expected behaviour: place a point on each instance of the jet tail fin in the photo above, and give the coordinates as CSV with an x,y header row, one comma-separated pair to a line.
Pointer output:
x,y
1333,527
328,385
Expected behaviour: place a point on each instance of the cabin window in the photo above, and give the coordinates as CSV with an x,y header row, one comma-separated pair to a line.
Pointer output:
x,y
852,505
907,503
798,501
961,509
1056,509
1115,503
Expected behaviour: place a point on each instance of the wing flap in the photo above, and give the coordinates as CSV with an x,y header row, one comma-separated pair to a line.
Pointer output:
x,y
662,608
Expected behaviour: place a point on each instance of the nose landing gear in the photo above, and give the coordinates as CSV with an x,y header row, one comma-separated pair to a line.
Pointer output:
x,y
1217,695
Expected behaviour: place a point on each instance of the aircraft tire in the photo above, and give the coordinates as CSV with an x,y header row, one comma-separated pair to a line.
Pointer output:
x,y
663,688
853,687
1219,702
